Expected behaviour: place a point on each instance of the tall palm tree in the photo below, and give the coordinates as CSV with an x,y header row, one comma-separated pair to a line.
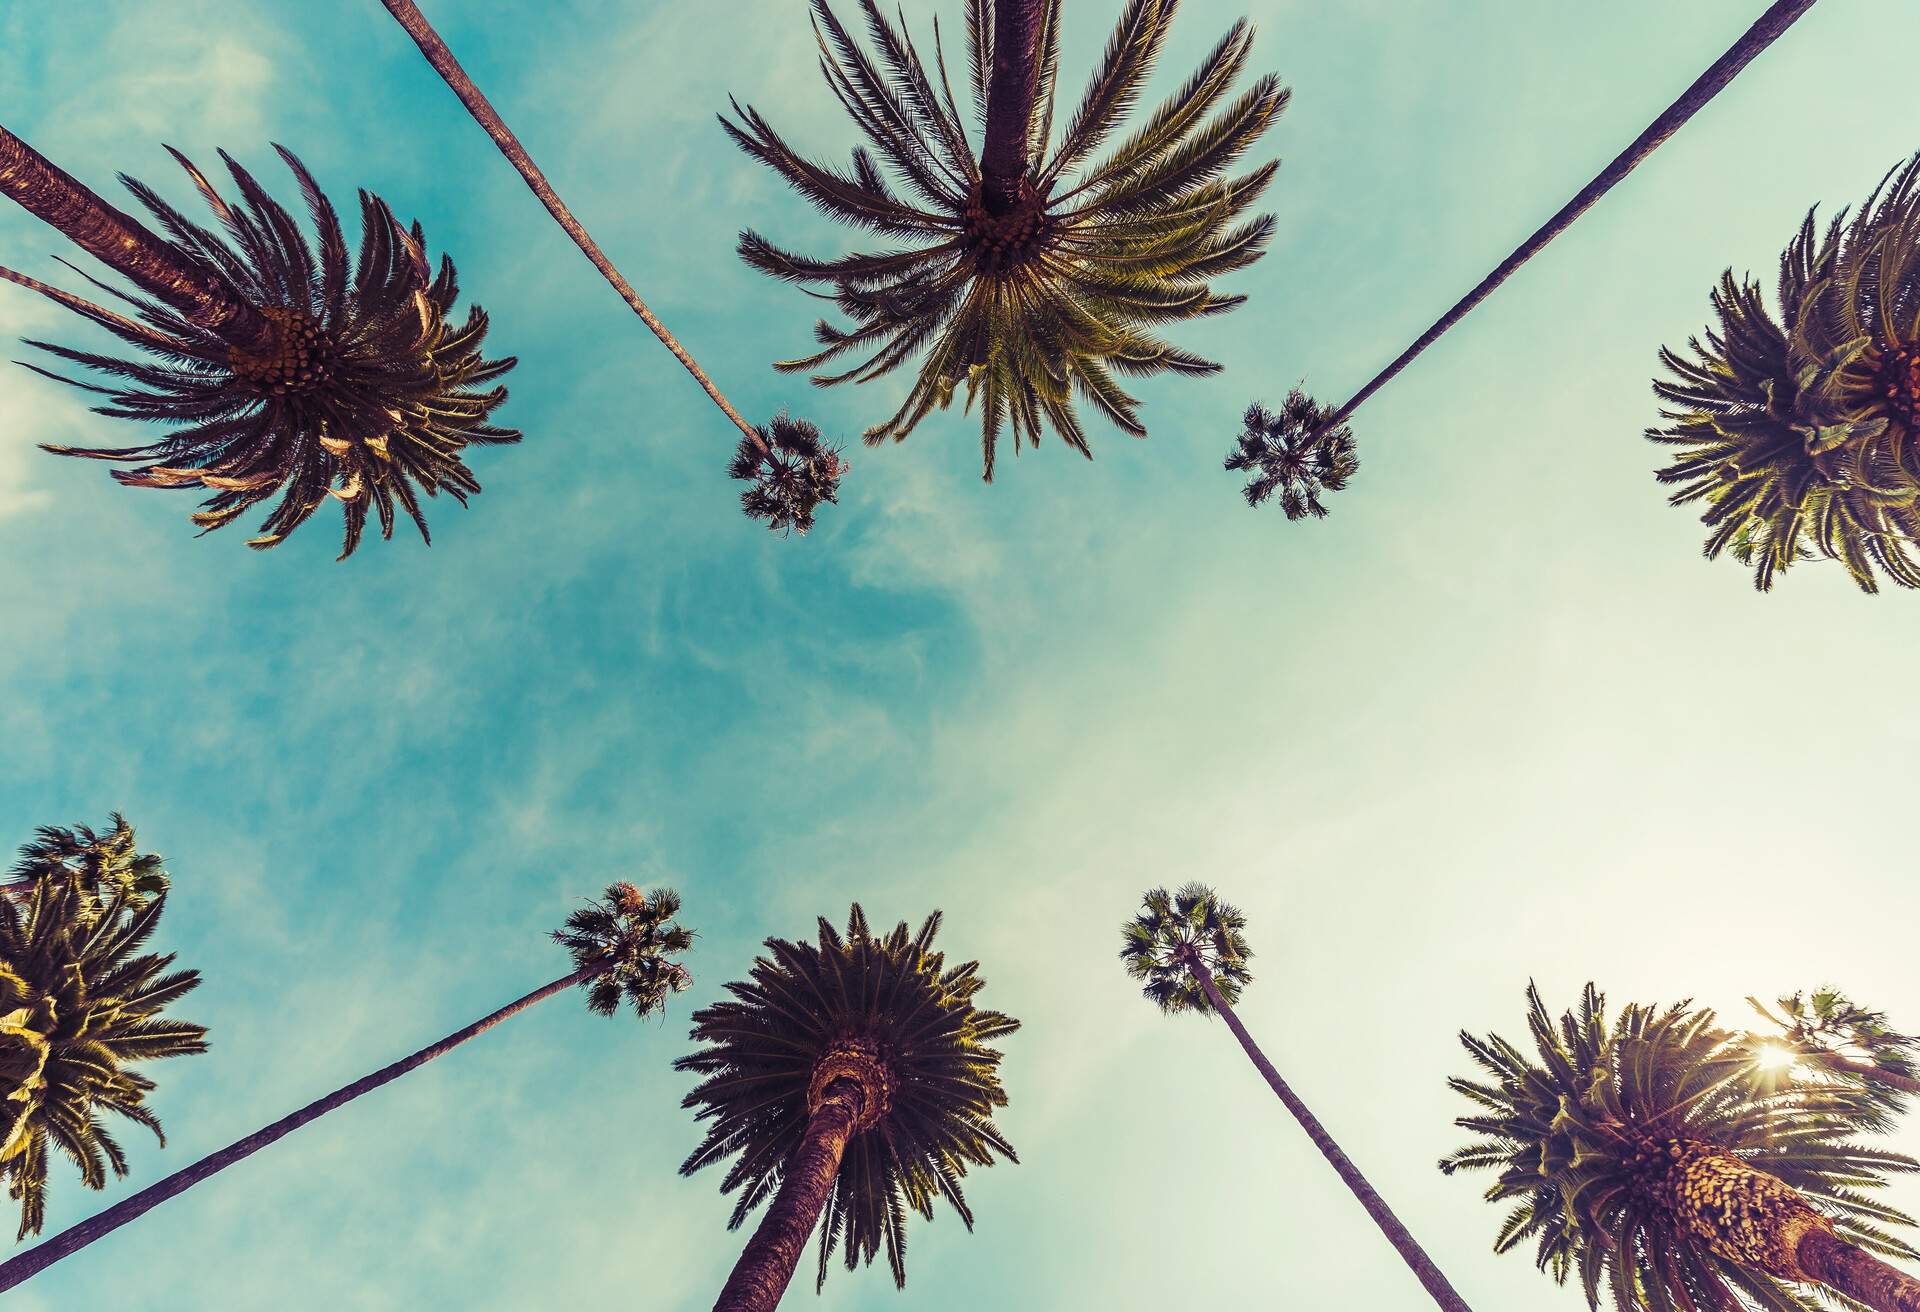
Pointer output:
x,y
788,469
1027,273
100,864
1645,1155
852,1081
1830,1032
1189,952
81,1007
1801,435
622,947
281,364
1767,29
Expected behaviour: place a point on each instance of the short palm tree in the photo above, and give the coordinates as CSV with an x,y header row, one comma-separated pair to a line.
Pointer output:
x,y
1189,952
622,945
1827,1030
789,471
82,1006
99,864
852,1082
282,365
1031,272
1801,435
1643,1155
1767,29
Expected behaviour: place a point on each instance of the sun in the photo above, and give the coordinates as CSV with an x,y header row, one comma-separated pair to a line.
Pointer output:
x,y
1775,1059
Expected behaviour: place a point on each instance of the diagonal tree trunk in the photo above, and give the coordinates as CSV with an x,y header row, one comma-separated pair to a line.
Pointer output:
x,y
56,197
766,1264
1857,1273
1767,29
1397,1234
1844,1065
79,1235
1011,87
483,112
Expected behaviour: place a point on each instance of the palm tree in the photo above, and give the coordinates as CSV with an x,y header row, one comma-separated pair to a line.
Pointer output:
x,y
852,1081
81,1007
1027,274
283,366
1295,454
100,864
1830,1032
1646,1156
1767,29
1189,952
621,944
788,470
1802,435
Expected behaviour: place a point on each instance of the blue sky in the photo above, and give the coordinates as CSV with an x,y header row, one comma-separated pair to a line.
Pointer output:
x,y
1494,719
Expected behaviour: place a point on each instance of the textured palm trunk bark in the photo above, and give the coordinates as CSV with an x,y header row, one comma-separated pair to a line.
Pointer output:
x,y
441,57
1758,1220
78,1236
1858,1274
766,1265
1767,29
1398,1235
1011,88
56,197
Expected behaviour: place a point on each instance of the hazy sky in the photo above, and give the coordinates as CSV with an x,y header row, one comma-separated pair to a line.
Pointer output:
x,y
1494,719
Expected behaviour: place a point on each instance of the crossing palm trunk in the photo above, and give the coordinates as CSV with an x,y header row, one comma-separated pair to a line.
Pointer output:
x,y
1767,29
79,1235
122,243
1011,87
766,1264
1842,1065
409,17
1397,1234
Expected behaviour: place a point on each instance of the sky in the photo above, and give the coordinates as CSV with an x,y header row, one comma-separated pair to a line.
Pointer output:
x,y
1495,719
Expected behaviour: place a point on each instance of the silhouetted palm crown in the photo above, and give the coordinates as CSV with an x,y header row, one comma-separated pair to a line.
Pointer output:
x,y
1802,435
896,1001
1059,294
369,396
1591,1137
1827,1021
80,1006
1289,453
1172,929
789,472
97,864
629,937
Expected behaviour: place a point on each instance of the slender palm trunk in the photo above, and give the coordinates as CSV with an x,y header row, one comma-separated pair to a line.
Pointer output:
x,y
1397,1234
766,1264
1835,1062
53,195
1857,1273
487,117
1011,87
79,1235
1766,30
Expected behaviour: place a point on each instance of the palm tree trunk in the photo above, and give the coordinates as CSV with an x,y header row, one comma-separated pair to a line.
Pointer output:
x,y
53,195
487,117
1011,88
766,1265
1833,1061
79,1235
1780,16
1857,1273
1397,1234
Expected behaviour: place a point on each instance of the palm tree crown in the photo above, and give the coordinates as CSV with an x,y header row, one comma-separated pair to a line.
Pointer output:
x,y
628,937
1646,1156
1057,292
368,395
887,1012
1838,1036
1295,453
80,1006
1172,929
97,864
1801,435
789,471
